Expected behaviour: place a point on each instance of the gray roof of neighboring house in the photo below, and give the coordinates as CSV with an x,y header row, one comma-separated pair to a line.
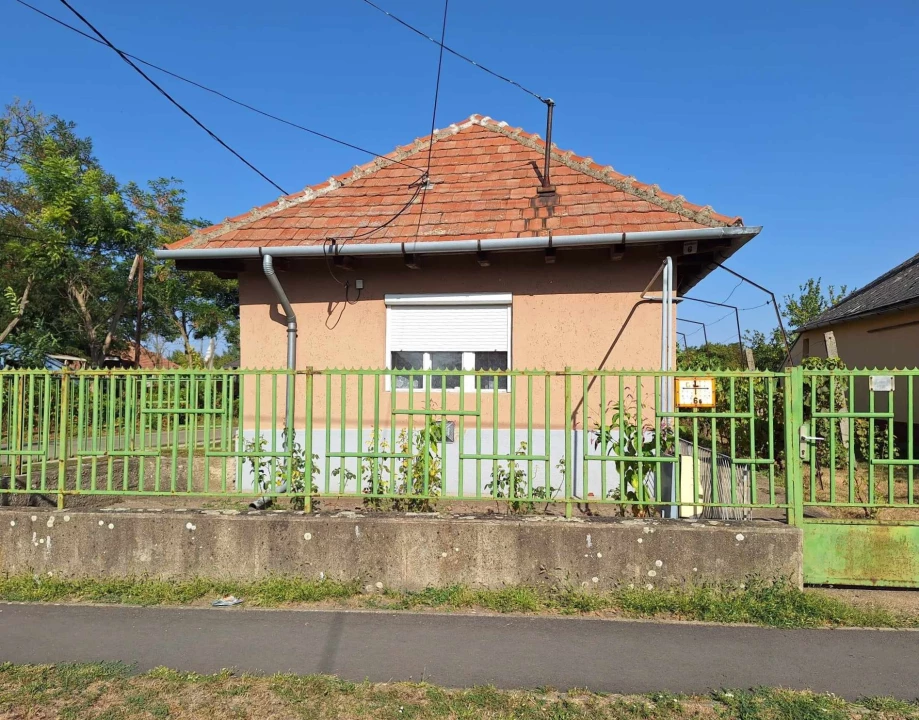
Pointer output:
x,y
894,290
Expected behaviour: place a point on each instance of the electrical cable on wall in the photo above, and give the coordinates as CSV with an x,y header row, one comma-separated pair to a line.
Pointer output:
x,y
218,93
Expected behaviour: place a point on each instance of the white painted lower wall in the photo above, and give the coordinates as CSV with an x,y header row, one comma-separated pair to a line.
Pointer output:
x,y
587,476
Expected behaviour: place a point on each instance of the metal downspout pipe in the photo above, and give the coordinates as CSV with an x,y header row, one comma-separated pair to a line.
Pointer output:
x,y
272,277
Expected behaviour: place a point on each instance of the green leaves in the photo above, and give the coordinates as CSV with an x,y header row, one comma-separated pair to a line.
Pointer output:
x,y
69,223
11,301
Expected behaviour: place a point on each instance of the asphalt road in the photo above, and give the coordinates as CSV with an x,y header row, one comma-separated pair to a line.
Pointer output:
x,y
463,650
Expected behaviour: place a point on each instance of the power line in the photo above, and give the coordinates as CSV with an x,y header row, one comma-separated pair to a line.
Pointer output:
x,y
226,97
425,180
171,99
732,291
440,63
454,52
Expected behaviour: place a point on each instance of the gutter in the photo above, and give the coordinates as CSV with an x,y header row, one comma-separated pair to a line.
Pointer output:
x,y
542,242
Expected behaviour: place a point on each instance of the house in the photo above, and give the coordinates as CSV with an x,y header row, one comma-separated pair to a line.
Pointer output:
x,y
565,268
481,263
877,326
149,360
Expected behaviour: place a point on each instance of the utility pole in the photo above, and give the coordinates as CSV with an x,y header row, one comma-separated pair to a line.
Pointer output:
x,y
138,329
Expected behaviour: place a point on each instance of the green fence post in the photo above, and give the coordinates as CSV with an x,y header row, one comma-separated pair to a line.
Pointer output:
x,y
63,438
794,419
569,444
308,442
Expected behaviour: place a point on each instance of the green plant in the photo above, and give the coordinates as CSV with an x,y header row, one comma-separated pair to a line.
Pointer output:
x,y
375,475
420,475
632,440
272,474
510,481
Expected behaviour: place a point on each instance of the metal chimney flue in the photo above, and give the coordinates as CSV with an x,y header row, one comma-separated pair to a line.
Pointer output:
x,y
547,186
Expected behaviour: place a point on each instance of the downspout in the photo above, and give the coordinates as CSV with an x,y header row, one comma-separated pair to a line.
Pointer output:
x,y
667,336
272,277
667,383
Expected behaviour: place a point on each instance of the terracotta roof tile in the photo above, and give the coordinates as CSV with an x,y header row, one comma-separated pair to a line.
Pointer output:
x,y
485,177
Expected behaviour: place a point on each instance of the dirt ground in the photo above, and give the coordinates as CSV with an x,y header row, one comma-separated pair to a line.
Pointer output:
x,y
905,602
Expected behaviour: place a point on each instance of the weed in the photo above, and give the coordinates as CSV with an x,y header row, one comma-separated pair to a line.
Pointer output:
x,y
759,603
509,481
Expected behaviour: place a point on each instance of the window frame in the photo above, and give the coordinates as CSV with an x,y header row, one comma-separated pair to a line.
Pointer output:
x,y
468,357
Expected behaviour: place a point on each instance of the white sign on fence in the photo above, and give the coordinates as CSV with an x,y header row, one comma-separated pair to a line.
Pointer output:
x,y
695,392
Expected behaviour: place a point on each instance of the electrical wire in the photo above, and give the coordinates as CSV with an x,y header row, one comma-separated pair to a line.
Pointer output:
x,y
732,292
454,52
425,179
218,93
330,245
171,99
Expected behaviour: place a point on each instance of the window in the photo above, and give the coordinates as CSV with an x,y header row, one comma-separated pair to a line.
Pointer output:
x,y
449,332
807,347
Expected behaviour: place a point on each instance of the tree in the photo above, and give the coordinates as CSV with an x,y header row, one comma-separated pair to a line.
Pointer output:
x,y
72,238
768,348
181,305
713,356
811,302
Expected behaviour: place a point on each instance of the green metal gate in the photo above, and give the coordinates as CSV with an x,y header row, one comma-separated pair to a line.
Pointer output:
x,y
855,475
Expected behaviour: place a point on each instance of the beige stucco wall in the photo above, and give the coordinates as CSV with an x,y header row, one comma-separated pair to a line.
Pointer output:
x,y
888,341
584,311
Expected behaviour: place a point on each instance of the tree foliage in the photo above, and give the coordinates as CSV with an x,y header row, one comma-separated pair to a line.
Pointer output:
x,y
768,348
810,302
71,237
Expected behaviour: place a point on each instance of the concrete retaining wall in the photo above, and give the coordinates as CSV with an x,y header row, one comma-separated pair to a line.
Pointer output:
x,y
405,553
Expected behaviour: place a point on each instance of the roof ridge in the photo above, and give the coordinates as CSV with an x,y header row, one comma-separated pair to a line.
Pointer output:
x,y
607,174
906,264
909,262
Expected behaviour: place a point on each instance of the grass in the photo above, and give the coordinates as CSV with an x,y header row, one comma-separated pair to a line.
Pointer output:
x,y
771,605
112,691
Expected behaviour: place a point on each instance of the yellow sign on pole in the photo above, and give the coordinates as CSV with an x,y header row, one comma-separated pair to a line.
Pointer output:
x,y
695,392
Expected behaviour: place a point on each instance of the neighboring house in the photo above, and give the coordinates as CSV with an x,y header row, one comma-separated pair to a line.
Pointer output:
x,y
10,360
877,326
149,360
482,265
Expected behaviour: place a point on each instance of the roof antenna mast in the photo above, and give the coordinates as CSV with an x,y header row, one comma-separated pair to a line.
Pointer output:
x,y
547,186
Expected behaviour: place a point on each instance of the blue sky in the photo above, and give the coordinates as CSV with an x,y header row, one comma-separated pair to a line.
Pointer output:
x,y
799,116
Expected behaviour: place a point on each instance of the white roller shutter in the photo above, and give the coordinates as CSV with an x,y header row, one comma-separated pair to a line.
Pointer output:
x,y
438,326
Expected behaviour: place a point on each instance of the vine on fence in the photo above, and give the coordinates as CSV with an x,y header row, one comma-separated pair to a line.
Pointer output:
x,y
635,441
412,478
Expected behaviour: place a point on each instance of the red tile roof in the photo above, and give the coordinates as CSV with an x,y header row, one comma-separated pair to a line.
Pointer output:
x,y
149,360
485,175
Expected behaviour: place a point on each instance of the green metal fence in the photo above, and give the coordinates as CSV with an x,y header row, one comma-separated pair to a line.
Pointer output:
x,y
401,439
830,450
774,444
